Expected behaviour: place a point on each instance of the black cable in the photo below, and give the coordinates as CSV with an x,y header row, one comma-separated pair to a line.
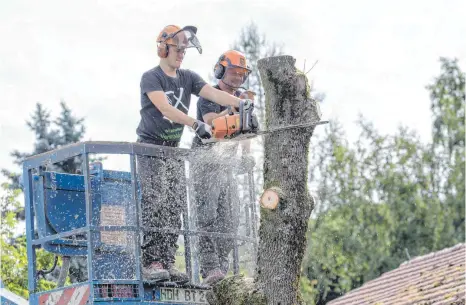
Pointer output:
x,y
44,272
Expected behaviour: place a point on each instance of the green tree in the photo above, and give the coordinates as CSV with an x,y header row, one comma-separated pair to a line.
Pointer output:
x,y
387,198
14,264
49,134
447,93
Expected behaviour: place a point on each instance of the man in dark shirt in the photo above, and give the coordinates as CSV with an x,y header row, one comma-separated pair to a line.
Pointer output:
x,y
165,98
216,194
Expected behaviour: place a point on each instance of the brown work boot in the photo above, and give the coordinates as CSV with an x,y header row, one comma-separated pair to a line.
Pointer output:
x,y
155,272
177,276
214,276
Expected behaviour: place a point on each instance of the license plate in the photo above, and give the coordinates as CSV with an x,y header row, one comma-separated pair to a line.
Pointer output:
x,y
183,296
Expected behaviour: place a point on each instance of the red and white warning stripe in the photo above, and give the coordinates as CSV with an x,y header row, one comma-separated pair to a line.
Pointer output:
x,y
78,295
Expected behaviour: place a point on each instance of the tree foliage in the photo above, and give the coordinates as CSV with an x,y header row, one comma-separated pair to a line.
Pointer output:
x,y
14,263
387,198
49,134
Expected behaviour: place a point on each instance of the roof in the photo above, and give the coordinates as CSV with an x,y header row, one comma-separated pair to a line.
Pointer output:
x,y
435,278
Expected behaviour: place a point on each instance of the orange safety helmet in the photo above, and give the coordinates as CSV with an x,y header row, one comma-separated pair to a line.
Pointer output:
x,y
171,34
231,59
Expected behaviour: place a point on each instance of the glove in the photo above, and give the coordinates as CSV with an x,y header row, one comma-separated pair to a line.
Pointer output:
x,y
246,109
202,130
247,103
231,110
254,123
248,94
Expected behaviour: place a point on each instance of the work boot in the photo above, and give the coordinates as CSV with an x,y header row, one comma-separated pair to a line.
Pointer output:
x,y
177,276
214,276
224,265
155,272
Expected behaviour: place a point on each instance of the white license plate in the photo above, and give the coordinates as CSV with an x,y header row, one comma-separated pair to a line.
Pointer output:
x,y
183,296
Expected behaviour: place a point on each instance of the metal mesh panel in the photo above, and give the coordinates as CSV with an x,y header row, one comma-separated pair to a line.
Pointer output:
x,y
113,291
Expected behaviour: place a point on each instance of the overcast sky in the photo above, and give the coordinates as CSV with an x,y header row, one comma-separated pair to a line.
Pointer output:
x,y
375,57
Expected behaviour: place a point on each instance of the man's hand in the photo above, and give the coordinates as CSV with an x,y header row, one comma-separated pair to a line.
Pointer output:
x,y
246,106
231,110
247,103
202,130
248,94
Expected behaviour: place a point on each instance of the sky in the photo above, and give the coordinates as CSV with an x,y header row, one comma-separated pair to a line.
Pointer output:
x,y
374,57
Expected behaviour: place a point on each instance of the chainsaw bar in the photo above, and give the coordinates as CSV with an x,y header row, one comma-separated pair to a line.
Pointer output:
x,y
253,134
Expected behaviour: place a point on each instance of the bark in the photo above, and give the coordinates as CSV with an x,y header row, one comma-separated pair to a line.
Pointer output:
x,y
282,233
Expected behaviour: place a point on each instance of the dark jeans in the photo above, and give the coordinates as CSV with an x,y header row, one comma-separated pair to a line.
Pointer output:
x,y
163,190
217,205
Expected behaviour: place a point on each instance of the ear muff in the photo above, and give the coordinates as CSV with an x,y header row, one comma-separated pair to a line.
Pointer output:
x,y
219,70
162,49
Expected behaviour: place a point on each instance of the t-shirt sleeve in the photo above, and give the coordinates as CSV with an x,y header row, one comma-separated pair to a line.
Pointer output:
x,y
150,82
207,106
197,83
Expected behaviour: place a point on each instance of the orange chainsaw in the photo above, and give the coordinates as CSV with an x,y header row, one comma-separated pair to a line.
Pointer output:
x,y
243,125
234,123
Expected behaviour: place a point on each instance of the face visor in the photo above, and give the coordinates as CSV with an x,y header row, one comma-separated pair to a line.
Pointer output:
x,y
235,76
184,39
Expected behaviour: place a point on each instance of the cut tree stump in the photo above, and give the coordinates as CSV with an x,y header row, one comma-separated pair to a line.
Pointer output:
x,y
270,198
286,204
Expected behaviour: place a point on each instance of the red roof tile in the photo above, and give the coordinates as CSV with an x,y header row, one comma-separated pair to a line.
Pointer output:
x,y
435,278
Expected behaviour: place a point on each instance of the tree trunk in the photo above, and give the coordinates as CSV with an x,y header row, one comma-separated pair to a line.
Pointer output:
x,y
283,230
282,233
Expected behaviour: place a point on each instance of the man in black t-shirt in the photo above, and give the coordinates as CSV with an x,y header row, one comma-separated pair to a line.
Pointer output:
x,y
216,195
165,98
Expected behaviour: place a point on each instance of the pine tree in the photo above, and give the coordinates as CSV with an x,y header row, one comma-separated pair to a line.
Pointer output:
x,y
49,135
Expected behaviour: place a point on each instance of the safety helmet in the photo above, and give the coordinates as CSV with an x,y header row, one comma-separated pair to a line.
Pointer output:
x,y
233,60
181,38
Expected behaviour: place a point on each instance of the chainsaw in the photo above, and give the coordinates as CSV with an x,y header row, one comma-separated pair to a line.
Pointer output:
x,y
234,123
243,125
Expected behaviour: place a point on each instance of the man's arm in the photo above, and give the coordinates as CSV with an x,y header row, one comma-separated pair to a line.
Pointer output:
x,y
160,101
209,117
218,96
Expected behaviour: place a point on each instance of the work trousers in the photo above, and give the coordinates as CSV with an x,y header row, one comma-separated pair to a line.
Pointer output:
x,y
163,198
217,210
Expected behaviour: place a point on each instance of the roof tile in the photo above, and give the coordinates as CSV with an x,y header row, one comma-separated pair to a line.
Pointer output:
x,y
434,279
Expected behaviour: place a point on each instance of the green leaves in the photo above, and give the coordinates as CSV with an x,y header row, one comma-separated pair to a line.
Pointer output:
x,y
65,129
13,254
385,197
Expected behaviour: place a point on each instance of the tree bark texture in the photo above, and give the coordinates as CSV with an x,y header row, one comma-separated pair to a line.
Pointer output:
x,y
282,233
